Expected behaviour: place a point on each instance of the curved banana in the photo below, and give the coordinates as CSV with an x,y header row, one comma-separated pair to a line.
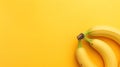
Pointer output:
x,y
105,51
83,57
105,31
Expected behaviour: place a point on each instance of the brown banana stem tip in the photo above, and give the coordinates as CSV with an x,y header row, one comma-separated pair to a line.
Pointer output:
x,y
80,36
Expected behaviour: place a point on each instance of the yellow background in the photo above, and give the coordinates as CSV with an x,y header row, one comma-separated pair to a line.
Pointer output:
x,y
42,33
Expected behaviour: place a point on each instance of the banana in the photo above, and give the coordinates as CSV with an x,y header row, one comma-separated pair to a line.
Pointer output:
x,y
108,32
82,55
105,31
83,58
105,51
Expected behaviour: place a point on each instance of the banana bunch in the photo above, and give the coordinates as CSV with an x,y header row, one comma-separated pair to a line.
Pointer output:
x,y
104,50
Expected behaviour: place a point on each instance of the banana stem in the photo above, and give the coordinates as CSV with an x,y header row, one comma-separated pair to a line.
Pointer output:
x,y
83,36
79,44
86,33
88,40
80,37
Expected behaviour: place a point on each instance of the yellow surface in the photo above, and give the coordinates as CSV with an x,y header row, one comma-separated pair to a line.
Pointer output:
x,y
42,33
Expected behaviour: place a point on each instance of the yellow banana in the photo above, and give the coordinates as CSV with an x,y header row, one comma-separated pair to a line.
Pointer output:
x,y
105,31
105,51
108,32
83,58
82,55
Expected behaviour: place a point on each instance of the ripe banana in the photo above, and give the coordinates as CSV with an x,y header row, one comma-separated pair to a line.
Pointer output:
x,y
83,57
105,31
105,51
